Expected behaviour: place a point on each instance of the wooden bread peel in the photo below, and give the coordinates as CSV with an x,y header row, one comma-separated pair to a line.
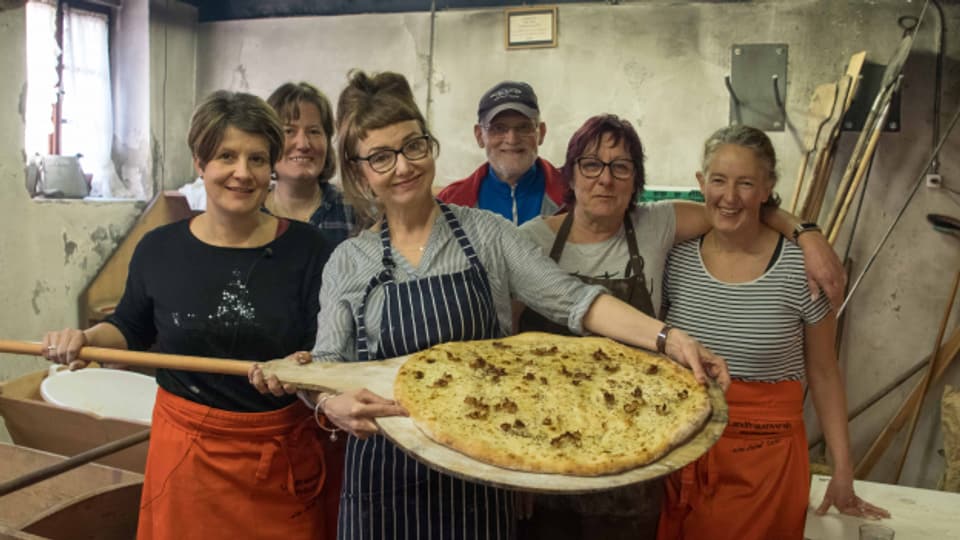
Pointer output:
x,y
378,376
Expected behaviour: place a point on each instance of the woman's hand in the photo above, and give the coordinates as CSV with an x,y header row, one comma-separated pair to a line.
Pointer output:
x,y
840,494
62,347
824,269
272,385
689,352
355,410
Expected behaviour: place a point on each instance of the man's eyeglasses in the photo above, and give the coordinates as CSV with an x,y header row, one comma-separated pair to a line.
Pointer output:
x,y
524,129
621,169
383,161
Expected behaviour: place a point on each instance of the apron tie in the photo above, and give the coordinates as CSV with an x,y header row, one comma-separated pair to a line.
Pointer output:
x,y
282,444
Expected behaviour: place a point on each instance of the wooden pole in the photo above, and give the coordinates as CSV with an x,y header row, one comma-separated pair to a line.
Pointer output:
x,y
942,361
82,458
925,385
143,359
837,216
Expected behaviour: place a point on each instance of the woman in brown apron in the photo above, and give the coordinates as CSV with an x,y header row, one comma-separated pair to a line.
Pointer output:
x,y
609,163
224,460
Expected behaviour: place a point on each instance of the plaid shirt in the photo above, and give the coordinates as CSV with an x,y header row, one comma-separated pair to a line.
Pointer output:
x,y
334,216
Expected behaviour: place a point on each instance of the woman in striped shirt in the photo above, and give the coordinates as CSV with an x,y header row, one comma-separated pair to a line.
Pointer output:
x,y
429,273
741,289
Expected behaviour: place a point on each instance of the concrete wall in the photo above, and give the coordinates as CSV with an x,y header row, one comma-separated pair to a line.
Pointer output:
x,y
131,99
173,45
660,64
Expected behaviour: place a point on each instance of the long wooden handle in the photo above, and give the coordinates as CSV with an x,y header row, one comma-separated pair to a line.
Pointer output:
x,y
136,358
948,352
927,378
844,199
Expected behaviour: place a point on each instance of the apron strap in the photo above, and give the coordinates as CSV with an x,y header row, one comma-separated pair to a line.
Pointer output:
x,y
636,261
561,240
386,276
461,237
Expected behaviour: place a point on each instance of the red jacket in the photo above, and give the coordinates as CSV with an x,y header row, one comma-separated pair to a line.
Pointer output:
x,y
466,192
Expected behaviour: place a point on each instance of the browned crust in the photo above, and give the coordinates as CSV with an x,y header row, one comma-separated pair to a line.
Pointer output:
x,y
481,447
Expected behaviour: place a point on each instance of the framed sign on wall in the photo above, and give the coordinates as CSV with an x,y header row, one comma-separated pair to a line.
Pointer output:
x,y
533,27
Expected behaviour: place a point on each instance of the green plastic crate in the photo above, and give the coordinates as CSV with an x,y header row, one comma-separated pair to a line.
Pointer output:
x,y
670,193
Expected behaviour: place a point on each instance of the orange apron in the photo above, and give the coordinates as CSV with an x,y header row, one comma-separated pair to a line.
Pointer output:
x,y
755,482
215,474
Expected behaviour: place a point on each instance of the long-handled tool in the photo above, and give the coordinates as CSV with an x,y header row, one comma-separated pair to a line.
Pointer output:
x,y
903,208
136,358
82,458
938,364
928,376
821,107
949,226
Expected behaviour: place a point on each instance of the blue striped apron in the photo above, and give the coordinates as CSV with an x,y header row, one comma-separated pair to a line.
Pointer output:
x,y
386,494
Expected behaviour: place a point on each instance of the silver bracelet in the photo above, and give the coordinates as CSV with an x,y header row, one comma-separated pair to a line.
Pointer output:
x,y
321,399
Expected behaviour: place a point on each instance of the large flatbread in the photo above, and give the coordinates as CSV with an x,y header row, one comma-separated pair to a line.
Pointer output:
x,y
552,404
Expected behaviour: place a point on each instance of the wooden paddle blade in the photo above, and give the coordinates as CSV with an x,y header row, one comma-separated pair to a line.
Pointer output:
x,y
821,107
854,67
135,358
376,376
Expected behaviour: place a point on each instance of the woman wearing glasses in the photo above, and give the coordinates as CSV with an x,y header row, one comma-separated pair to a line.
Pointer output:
x,y
429,273
607,238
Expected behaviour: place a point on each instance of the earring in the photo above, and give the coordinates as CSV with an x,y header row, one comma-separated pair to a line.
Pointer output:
x,y
273,175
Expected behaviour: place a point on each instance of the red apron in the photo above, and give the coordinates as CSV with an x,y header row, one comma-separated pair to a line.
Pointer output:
x,y
215,474
755,482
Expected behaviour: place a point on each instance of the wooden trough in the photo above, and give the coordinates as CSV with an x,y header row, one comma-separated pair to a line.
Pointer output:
x,y
89,502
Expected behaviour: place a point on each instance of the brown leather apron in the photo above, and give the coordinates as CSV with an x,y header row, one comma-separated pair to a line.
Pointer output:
x,y
629,512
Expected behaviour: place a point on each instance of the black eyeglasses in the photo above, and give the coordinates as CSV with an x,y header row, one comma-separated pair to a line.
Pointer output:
x,y
383,161
621,169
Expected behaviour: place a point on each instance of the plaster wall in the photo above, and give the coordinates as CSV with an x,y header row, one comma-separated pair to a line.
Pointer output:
x,y
173,44
661,65
131,98
50,250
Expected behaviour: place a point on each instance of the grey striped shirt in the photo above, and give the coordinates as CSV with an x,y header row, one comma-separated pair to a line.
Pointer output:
x,y
516,268
757,326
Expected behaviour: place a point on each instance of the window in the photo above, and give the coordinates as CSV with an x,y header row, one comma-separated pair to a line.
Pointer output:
x,y
69,110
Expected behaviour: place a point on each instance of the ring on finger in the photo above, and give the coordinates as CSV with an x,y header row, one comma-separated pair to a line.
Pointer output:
x,y
52,348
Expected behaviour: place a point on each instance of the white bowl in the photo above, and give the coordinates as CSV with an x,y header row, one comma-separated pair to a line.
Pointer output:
x,y
110,393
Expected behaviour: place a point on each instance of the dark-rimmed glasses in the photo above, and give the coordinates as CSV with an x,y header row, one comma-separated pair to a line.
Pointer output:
x,y
384,160
621,169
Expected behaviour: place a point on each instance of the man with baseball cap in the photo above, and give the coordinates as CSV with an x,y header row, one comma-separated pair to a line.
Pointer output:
x,y
514,182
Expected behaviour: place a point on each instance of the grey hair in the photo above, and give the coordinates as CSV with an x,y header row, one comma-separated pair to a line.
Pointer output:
x,y
747,137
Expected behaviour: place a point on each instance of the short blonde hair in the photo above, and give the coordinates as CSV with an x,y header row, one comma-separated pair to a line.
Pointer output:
x,y
223,109
370,102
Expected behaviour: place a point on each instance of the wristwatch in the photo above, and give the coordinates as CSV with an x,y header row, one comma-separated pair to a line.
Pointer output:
x,y
804,227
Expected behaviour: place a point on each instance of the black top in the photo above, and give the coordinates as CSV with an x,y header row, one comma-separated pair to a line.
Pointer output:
x,y
191,298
